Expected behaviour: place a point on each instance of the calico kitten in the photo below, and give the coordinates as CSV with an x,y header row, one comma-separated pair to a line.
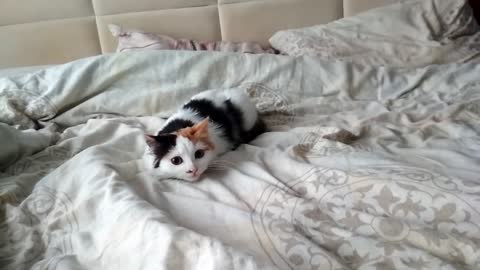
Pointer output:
x,y
210,124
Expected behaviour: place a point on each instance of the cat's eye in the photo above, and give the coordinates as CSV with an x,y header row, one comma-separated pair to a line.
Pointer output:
x,y
176,160
199,154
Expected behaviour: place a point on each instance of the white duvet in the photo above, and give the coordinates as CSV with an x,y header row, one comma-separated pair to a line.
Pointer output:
x,y
406,195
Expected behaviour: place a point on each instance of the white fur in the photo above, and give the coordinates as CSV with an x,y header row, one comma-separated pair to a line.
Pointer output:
x,y
184,114
186,150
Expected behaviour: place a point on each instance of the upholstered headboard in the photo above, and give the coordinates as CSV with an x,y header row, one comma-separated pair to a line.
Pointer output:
x,y
44,32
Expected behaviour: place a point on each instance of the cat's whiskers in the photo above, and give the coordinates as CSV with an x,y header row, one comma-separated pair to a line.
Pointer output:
x,y
221,165
218,166
224,163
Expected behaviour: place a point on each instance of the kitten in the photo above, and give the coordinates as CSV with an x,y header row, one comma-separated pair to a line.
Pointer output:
x,y
210,124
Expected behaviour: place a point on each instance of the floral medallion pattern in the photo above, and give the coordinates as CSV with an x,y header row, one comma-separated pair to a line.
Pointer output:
x,y
44,220
370,219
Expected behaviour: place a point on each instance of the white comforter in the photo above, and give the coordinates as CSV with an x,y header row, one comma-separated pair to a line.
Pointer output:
x,y
406,195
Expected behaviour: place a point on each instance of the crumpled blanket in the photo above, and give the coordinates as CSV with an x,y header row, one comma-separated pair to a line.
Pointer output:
x,y
362,167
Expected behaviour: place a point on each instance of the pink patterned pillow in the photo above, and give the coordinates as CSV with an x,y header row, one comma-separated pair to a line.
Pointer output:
x,y
136,40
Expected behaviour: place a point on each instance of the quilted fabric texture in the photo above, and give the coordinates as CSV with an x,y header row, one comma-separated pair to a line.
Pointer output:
x,y
137,40
405,34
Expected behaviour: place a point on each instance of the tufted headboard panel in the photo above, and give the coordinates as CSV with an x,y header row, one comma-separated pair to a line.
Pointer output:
x,y
44,32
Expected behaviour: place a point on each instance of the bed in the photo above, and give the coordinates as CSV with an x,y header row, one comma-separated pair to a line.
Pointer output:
x,y
371,159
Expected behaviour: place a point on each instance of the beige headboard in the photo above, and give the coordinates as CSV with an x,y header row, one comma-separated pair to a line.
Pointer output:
x,y
42,32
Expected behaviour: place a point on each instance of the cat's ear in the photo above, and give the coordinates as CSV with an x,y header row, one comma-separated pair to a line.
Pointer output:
x,y
201,127
160,140
150,140
200,133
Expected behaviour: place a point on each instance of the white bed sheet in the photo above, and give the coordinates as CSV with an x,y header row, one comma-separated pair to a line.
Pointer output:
x,y
405,195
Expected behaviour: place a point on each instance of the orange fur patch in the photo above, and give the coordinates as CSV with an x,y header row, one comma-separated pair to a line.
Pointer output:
x,y
196,133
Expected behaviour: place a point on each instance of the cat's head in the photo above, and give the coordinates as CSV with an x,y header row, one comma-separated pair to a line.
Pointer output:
x,y
184,154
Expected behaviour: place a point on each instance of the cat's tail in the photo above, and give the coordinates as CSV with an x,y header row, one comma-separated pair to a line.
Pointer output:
x,y
258,128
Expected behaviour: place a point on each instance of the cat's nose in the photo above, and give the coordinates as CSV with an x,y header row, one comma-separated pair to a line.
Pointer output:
x,y
193,171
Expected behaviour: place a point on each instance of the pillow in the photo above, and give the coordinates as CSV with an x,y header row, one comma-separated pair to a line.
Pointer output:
x,y
405,34
136,40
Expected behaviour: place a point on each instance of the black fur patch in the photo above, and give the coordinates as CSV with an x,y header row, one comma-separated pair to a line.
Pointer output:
x,y
245,135
256,130
175,125
238,122
230,119
205,108
161,146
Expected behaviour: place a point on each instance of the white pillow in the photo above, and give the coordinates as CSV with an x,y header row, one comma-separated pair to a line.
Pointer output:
x,y
405,34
